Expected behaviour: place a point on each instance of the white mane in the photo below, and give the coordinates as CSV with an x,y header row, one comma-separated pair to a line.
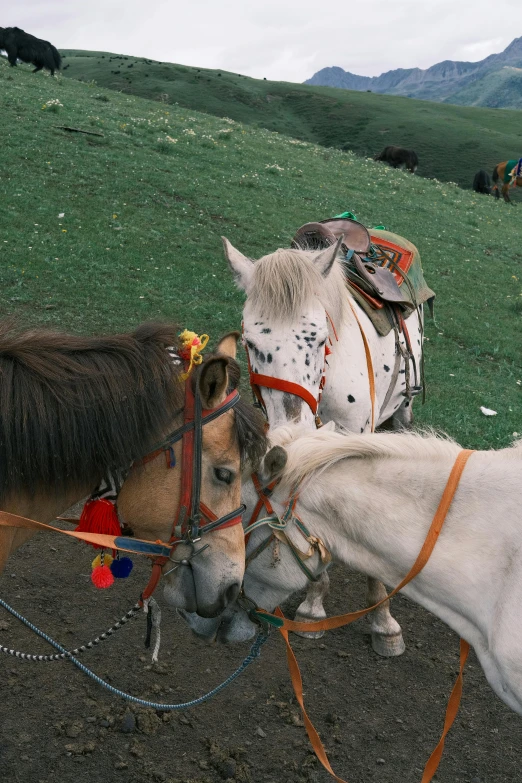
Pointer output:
x,y
310,451
286,283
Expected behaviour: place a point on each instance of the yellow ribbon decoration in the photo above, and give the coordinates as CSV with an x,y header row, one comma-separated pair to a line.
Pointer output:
x,y
191,347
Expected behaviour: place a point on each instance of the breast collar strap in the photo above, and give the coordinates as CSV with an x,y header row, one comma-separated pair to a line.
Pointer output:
x,y
259,381
187,526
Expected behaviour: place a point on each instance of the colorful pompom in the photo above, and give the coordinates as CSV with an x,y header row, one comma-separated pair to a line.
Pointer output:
x,y
102,576
121,567
102,559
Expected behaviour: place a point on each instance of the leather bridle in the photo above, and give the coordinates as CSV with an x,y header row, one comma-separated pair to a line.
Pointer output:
x,y
278,525
187,526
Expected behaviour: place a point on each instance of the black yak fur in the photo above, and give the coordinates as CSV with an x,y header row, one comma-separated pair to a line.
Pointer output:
x,y
482,182
398,156
19,45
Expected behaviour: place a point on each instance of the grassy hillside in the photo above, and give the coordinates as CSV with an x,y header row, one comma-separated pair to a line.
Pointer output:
x,y
102,232
452,142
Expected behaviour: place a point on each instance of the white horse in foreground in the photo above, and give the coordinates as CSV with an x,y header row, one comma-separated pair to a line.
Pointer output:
x,y
297,306
473,580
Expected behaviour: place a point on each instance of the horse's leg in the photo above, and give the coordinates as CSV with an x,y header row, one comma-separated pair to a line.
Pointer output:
x,y
312,607
386,632
402,419
505,193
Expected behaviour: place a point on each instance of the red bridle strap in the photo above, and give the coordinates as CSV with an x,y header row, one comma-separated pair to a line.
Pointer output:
x,y
268,382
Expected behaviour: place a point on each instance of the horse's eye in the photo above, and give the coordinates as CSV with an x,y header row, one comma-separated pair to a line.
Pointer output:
x,y
223,475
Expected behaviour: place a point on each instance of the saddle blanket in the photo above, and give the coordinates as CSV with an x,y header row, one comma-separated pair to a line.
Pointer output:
x,y
513,170
402,258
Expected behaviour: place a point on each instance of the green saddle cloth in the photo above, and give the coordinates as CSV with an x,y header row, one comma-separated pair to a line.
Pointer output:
x,y
510,165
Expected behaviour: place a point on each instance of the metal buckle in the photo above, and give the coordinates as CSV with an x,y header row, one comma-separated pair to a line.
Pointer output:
x,y
185,560
247,605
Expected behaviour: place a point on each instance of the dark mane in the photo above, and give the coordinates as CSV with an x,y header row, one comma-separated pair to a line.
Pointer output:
x,y
72,408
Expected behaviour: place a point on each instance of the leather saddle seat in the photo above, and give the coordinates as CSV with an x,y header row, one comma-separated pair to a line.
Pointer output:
x,y
362,259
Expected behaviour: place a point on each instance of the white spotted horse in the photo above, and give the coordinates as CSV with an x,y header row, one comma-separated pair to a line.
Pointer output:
x,y
333,329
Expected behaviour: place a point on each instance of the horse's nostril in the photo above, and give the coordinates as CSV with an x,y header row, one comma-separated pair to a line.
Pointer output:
x,y
231,593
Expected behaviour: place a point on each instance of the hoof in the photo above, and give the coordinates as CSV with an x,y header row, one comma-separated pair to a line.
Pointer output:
x,y
388,646
301,618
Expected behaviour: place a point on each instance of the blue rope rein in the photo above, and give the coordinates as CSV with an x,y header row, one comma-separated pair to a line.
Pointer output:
x,y
254,653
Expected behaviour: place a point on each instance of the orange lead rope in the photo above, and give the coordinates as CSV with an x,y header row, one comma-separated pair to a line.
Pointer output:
x,y
284,626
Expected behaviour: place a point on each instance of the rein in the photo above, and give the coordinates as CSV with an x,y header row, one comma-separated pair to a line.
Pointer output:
x,y
284,625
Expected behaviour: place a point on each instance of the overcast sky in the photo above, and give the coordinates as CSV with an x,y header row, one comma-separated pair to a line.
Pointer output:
x,y
277,39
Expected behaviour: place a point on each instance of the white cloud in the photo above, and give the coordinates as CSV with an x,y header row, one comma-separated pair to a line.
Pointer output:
x,y
278,39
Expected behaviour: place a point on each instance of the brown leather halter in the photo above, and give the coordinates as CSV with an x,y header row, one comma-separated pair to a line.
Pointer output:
x,y
187,527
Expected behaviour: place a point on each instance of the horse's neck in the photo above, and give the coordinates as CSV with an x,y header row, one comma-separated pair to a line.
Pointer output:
x,y
382,511
40,507
346,396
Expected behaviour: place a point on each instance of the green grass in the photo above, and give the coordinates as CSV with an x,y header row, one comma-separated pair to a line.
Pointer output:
x,y
139,237
452,142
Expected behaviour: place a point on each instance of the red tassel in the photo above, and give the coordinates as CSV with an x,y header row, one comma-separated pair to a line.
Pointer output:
x,y
102,576
99,516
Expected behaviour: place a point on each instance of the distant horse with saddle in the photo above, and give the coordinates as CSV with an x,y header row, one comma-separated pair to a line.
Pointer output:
x,y
397,157
509,174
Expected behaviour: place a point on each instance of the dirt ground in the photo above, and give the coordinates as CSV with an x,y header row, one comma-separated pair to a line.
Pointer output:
x,y
379,718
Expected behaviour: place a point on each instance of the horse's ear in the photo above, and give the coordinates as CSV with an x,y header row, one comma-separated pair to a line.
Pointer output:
x,y
325,259
228,344
213,381
273,463
241,266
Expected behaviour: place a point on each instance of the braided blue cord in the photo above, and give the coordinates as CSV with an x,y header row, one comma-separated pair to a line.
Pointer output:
x,y
254,653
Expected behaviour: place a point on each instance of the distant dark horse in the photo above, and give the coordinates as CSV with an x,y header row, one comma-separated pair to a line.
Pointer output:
x,y
397,156
482,182
19,45
508,172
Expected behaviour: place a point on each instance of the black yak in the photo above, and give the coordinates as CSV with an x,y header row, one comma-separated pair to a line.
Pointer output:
x,y
482,182
397,156
19,45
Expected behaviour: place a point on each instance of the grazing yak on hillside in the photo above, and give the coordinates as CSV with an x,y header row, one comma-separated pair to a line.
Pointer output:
x,y
19,45
398,156
482,182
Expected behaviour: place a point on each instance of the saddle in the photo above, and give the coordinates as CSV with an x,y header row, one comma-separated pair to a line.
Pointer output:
x,y
364,261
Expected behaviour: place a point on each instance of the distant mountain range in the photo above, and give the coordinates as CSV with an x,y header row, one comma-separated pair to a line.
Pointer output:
x,y
495,82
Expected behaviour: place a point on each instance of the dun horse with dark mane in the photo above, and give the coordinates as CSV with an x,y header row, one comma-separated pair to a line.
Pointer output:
x,y
73,409
509,173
